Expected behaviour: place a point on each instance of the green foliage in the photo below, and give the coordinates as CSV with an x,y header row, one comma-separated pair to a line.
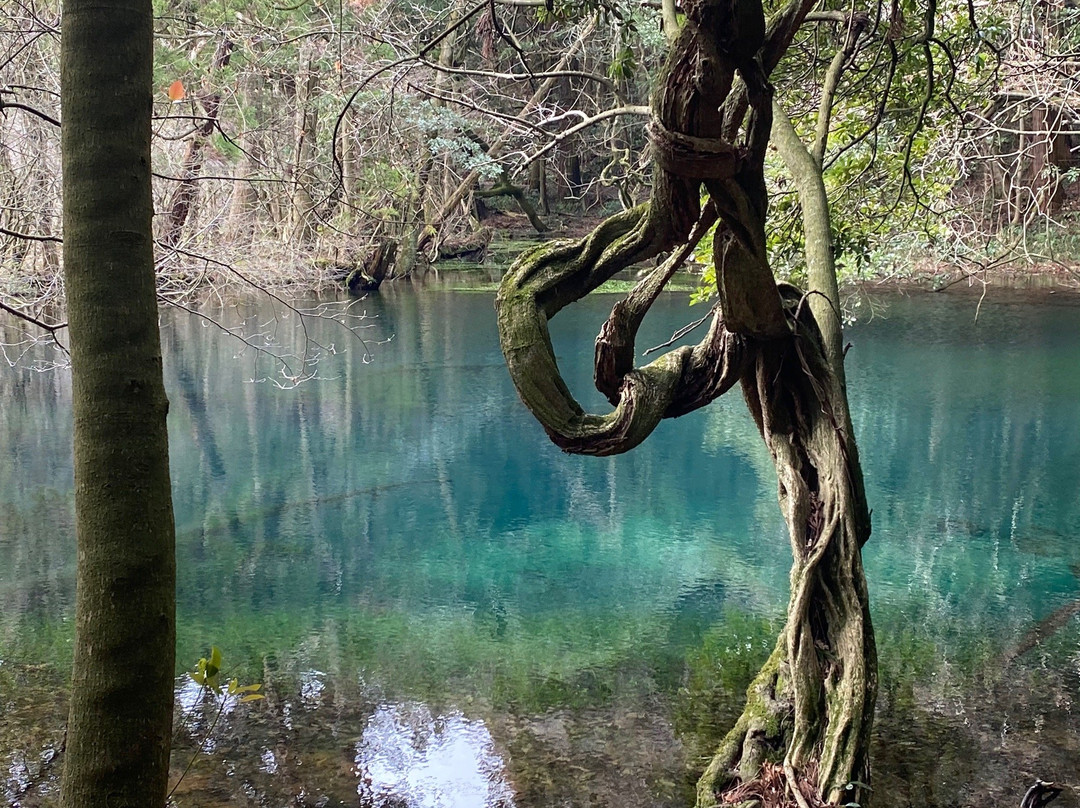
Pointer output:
x,y
888,170
448,133
207,675
623,64
207,671
226,146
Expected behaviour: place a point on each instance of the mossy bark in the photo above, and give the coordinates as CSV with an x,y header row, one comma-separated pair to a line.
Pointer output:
x,y
809,711
811,708
120,724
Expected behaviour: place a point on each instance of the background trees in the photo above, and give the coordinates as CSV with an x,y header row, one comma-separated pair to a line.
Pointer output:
x,y
288,141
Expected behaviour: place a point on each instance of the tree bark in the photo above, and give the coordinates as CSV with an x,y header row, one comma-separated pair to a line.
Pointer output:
x,y
375,269
503,187
814,698
240,225
307,118
808,715
119,729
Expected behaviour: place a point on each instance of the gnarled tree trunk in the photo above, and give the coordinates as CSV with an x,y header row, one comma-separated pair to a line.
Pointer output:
x,y
803,737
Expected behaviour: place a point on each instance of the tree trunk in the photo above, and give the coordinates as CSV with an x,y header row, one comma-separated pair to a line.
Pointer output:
x,y
307,119
804,735
186,196
425,204
240,225
377,265
814,698
503,187
120,724
538,182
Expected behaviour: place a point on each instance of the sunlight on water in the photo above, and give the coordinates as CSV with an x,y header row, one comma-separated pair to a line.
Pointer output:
x,y
411,758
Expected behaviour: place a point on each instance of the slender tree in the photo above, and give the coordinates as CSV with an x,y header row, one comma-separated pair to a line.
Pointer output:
x,y
805,731
120,724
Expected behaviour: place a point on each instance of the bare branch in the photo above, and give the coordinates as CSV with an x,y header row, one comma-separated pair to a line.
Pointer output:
x,y
29,236
633,109
27,108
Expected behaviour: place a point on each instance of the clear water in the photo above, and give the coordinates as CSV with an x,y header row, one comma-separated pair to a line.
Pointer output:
x,y
447,611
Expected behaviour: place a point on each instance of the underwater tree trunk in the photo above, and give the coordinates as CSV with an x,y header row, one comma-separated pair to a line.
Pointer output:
x,y
804,735
120,721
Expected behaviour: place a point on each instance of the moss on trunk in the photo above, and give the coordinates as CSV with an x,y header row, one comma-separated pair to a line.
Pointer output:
x,y
811,708
803,737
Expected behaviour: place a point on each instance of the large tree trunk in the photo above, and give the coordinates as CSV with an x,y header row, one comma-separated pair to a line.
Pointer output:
x,y
120,724
804,735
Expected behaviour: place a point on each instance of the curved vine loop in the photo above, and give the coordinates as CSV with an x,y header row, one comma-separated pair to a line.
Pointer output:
x,y
692,144
681,380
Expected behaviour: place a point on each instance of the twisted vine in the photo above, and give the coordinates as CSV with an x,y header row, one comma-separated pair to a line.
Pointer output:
x,y
808,713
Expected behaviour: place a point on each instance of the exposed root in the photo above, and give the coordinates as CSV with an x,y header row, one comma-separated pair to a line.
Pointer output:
x,y
776,788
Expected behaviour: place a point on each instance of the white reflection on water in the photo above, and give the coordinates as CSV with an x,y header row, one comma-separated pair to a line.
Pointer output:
x,y
201,710
268,762
411,758
312,686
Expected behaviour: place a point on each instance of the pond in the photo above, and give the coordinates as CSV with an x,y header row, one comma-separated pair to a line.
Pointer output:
x,y
444,610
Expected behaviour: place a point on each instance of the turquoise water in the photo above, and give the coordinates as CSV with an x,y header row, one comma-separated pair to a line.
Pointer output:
x,y
446,610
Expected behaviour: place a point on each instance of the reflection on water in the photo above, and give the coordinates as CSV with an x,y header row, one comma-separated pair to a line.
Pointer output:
x,y
586,624
408,757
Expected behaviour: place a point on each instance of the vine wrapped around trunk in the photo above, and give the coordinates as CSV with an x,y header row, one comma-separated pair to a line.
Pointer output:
x,y
803,737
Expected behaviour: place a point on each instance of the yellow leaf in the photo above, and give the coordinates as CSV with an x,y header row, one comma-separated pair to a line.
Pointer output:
x,y
177,91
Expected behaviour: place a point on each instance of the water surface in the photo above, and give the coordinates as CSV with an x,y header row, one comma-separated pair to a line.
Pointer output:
x,y
447,611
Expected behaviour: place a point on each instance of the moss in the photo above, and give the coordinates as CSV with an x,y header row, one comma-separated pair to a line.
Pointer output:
x,y
717,673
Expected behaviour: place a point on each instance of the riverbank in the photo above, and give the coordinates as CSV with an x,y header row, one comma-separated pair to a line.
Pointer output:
x,y
190,277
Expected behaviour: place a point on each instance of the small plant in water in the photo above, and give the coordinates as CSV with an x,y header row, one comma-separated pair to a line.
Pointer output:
x,y
208,676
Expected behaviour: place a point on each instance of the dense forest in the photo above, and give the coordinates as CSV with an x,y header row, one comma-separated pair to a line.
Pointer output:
x,y
224,157
290,143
